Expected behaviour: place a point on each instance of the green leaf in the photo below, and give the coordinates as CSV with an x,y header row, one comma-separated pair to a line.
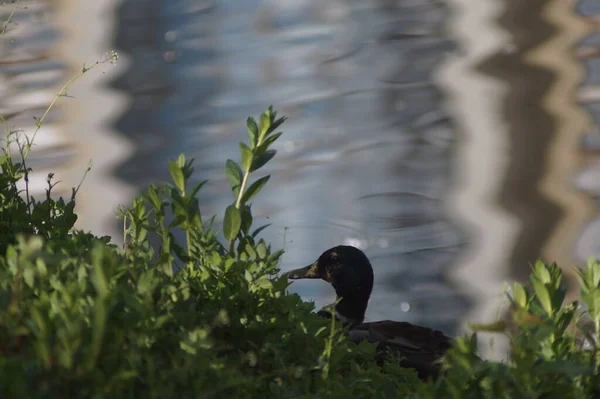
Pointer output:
x,y
232,222
177,175
520,295
181,160
594,271
565,319
252,131
262,283
258,230
277,123
262,159
98,277
234,173
246,154
498,326
541,272
249,249
261,249
558,296
265,123
270,140
197,188
255,188
29,276
98,327
144,283
543,296
246,219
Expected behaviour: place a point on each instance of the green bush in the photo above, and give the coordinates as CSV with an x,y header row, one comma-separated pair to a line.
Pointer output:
x,y
554,350
80,317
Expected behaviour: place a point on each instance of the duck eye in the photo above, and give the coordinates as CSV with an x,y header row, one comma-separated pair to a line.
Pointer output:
x,y
334,256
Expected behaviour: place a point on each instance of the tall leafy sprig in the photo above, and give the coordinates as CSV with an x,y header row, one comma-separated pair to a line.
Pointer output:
x,y
238,216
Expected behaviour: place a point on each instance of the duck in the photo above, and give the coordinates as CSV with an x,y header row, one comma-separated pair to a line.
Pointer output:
x,y
349,271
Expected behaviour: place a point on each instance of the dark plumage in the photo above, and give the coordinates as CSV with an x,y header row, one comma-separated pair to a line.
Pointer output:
x,y
350,273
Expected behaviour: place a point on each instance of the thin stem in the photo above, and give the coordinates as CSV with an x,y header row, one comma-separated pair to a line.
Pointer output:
x,y
26,175
328,347
76,190
61,93
10,16
238,202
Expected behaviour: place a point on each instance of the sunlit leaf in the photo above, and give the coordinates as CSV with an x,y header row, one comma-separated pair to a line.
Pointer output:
x,y
543,296
252,131
246,154
541,272
519,295
232,222
177,175
265,123
261,249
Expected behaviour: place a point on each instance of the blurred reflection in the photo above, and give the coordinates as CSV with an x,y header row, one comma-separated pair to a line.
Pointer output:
x,y
365,157
443,138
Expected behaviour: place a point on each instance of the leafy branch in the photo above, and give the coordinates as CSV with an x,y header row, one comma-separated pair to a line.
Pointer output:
x,y
238,216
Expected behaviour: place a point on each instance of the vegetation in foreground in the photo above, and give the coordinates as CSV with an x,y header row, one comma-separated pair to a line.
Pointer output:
x,y
80,317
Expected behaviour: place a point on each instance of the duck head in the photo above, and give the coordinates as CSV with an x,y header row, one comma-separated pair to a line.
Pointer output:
x,y
350,273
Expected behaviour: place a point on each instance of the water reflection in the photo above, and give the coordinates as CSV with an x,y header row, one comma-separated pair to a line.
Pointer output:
x,y
365,158
442,139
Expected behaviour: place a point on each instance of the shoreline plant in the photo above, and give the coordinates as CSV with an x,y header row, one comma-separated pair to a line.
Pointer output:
x,y
81,317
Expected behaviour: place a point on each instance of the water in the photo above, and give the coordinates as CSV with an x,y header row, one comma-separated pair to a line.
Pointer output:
x,y
443,138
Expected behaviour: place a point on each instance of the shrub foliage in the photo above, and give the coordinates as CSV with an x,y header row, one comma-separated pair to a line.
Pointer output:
x,y
207,316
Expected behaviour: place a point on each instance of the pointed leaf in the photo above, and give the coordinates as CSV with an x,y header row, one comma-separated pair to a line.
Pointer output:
x,y
197,188
246,154
277,123
234,173
541,272
181,160
261,249
177,175
558,297
270,140
246,219
519,295
258,230
262,159
543,296
594,272
232,222
265,124
255,188
252,131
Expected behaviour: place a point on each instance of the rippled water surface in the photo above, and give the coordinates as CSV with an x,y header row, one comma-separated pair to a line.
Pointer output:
x,y
421,131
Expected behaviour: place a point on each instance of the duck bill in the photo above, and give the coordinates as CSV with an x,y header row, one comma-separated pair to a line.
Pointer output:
x,y
309,271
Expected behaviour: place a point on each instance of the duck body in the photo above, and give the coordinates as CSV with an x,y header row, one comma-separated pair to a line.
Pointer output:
x,y
350,273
